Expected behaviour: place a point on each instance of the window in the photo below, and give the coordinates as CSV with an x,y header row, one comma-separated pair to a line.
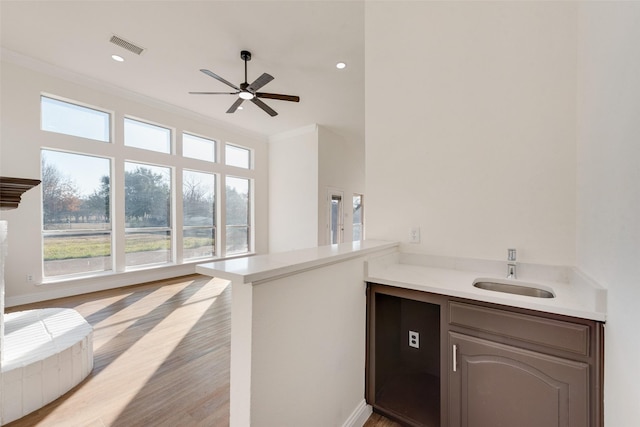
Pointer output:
x,y
238,232
147,192
198,148
146,136
111,207
76,213
199,214
358,216
237,156
71,119
336,217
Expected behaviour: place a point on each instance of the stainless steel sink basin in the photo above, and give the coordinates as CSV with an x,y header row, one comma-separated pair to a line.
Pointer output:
x,y
529,291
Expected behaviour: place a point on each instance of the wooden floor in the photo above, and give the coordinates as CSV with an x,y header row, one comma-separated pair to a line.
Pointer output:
x,y
161,358
377,420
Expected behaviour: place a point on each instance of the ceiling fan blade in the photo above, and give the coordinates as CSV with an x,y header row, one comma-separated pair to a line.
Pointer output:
x,y
259,82
214,93
270,111
220,79
235,105
291,98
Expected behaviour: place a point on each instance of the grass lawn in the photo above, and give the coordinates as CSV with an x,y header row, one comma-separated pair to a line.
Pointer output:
x,y
60,248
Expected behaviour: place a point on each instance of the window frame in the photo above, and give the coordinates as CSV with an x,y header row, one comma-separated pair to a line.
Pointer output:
x,y
110,114
169,229
119,154
171,130
216,144
361,223
216,214
250,218
56,233
239,147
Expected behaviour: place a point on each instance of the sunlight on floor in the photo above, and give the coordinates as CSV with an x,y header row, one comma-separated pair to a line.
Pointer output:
x,y
131,325
131,313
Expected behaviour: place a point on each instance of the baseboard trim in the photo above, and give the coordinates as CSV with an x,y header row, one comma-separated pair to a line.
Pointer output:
x,y
359,416
104,282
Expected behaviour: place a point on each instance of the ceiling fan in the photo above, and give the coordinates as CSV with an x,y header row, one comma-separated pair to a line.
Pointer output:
x,y
248,91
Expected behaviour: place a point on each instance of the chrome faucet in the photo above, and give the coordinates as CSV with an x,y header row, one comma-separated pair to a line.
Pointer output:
x,y
511,265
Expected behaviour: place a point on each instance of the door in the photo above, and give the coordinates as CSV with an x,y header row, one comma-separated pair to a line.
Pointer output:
x,y
336,217
492,384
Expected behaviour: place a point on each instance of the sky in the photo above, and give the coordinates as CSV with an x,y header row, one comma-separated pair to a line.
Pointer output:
x,y
86,171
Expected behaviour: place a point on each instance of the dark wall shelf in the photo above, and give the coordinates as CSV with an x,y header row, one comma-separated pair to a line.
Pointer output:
x,y
404,382
11,190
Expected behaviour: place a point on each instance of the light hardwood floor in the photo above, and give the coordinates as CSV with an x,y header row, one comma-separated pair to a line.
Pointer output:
x,y
161,358
377,420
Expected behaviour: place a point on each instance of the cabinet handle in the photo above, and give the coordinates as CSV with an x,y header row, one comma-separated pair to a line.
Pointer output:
x,y
455,358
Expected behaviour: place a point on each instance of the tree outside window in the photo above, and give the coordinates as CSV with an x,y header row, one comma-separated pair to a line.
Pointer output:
x,y
76,218
238,209
147,191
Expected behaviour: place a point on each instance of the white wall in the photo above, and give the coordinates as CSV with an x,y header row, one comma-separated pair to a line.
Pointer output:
x,y
293,188
524,131
470,127
3,252
303,165
342,168
23,81
319,380
608,226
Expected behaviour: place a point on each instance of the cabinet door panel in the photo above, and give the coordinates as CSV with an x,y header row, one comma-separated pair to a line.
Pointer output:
x,y
502,386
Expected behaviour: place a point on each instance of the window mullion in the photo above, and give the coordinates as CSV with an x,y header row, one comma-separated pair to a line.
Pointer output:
x,y
117,213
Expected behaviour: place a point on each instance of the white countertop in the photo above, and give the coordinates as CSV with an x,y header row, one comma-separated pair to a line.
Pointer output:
x,y
576,297
259,268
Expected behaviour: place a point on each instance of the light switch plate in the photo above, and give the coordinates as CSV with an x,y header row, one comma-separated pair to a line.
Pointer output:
x,y
414,235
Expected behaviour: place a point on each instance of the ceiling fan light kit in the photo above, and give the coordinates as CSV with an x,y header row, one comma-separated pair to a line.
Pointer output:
x,y
249,92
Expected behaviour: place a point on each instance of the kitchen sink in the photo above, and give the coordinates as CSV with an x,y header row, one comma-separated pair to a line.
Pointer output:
x,y
510,288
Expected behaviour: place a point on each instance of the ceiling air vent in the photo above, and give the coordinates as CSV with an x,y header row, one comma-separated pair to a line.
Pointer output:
x,y
126,45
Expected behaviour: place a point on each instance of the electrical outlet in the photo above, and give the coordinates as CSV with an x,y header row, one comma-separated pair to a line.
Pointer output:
x,y
29,278
414,339
414,235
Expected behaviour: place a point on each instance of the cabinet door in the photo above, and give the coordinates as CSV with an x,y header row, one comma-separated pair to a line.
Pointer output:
x,y
497,385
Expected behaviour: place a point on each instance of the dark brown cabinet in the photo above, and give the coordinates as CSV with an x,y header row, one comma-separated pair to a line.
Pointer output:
x,y
480,364
499,385
404,382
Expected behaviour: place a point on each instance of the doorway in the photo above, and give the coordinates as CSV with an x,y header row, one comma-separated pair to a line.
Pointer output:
x,y
336,217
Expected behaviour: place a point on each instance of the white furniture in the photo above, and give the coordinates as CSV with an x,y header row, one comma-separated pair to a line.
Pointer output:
x,y
43,353
46,353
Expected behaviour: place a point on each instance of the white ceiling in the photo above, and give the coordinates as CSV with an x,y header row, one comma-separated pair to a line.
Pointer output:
x,y
297,42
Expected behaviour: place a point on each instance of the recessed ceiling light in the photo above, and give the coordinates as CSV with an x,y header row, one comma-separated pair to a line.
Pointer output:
x,y
241,108
117,58
341,65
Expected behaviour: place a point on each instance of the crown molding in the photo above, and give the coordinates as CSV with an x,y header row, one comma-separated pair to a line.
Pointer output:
x,y
294,132
9,56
